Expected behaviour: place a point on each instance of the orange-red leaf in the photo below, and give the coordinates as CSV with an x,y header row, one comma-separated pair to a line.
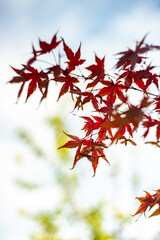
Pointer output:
x,y
148,202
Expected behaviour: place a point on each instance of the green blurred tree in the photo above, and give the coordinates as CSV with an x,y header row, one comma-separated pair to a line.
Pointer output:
x,y
67,213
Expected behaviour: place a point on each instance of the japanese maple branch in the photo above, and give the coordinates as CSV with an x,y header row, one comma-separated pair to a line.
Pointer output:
x,y
133,88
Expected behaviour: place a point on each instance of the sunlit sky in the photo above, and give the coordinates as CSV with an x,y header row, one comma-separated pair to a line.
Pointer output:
x,y
103,26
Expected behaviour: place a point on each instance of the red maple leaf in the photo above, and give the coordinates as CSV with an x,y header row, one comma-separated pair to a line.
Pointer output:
x,y
28,73
148,123
123,121
145,74
89,126
93,150
74,59
97,72
154,78
132,57
48,47
90,97
108,109
127,75
102,134
85,97
122,130
68,84
112,91
90,149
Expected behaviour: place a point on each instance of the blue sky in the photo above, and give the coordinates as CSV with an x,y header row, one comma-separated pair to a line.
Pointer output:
x,y
104,26
30,19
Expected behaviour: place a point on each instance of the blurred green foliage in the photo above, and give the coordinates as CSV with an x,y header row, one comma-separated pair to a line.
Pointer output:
x,y
91,221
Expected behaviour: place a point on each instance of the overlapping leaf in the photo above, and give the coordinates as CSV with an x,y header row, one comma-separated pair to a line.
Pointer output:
x,y
90,149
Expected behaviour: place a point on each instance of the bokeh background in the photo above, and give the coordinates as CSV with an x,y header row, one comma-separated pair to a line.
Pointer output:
x,y
105,27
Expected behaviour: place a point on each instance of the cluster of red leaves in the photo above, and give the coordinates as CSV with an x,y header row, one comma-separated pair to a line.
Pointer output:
x,y
90,149
114,117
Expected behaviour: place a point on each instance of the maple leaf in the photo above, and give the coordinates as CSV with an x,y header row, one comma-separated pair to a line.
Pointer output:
x,y
152,79
36,79
149,201
97,72
132,56
133,115
121,131
48,47
145,203
139,82
75,142
74,59
108,109
158,130
93,150
90,149
89,126
85,97
138,77
90,97
68,84
102,131
112,91
149,122
78,103
127,75
153,47
56,70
